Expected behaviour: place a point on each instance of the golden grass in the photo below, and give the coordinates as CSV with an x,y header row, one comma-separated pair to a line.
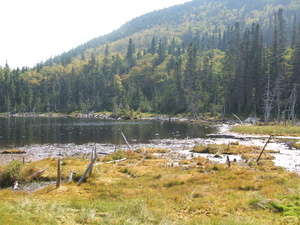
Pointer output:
x,y
144,191
152,150
246,152
13,151
276,130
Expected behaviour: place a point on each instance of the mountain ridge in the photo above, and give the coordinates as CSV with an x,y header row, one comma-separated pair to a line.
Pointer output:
x,y
157,18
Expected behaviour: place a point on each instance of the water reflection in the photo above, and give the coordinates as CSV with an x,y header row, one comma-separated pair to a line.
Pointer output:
x,y
26,131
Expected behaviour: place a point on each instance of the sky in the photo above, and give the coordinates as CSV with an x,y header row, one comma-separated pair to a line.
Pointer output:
x,y
34,30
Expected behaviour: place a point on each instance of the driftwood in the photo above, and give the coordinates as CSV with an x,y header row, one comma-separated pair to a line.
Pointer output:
x,y
126,141
38,173
218,154
71,175
237,118
15,185
225,136
263,148
115,161
103,153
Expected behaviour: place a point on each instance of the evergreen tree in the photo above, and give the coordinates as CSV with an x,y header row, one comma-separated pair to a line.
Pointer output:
x,y
190,77
130,60
152,49
276,65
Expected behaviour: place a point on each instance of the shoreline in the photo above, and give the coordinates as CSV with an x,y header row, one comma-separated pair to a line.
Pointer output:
x,y
178,149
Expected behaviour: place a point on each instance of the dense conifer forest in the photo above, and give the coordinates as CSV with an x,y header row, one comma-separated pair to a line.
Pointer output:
x,y
202,58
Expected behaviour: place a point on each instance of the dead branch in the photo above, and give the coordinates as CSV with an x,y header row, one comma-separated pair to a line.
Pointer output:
x,y
87,170
126,141
263,148
38,173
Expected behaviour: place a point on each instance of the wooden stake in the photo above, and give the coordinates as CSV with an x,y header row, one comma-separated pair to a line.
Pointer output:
x,y
58,174
263,149
228,161
93,155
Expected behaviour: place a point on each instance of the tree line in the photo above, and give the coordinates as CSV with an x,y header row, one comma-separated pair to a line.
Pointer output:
x,y
237,70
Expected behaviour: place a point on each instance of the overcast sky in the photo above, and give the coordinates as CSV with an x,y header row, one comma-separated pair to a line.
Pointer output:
x,y
34,30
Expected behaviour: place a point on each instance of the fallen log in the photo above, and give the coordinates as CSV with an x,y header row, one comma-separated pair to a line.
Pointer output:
x,y
38,173
13,151
114,161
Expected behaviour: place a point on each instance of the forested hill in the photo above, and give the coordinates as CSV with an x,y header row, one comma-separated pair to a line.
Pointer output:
x,y
202,58
204,16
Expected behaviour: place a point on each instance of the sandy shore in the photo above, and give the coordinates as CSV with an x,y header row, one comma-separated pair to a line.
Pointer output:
x,y
179,149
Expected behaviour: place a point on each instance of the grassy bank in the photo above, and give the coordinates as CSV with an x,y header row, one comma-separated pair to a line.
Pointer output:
x,y
144,189
277,130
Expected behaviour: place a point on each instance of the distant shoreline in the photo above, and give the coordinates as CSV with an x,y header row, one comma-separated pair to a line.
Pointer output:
x,y
98,115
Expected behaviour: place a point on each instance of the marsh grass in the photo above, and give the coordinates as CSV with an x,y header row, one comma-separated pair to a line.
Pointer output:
x,y
152,150
143,191
231,149
276,130
14,151
246,152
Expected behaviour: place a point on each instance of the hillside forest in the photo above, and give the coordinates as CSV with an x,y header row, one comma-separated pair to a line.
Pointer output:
x,y
188,60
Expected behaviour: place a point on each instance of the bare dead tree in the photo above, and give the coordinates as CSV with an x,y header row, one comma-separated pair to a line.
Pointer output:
x,y
292,115
268,106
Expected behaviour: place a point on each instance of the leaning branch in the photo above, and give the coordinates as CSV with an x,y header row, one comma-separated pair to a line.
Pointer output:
x,y
87,170
126,141
263,148
237,118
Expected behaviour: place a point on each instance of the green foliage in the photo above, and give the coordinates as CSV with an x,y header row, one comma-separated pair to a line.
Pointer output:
x,y
10,174
288,206
119,154
199,148
169,62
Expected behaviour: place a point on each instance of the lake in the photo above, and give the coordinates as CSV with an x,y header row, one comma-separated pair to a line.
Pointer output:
x,y
21,131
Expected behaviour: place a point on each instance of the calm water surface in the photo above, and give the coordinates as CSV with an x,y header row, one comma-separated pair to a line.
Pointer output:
x,y
17,132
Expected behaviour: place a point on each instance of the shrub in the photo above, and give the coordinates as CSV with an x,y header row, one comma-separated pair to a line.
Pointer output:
x,y
210,149
119,154
10,173
132,155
